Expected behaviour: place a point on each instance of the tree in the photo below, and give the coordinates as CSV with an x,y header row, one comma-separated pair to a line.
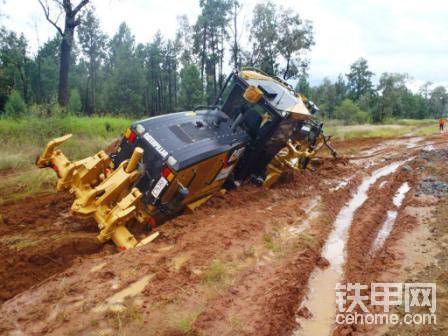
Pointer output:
x,y
294,39
341,89
210,32
44,79
125,81
67,33
303,86
327,100
359,79
438,102
264,35
190,94
93,43
184,41
236,50
392,89
15,62
280,40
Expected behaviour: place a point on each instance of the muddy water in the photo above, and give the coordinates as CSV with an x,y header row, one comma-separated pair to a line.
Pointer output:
x,y
388,225
321,298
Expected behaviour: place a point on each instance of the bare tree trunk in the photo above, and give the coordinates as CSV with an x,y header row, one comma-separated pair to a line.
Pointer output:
x,y
67,41
235,36
204,46
66,49
285,74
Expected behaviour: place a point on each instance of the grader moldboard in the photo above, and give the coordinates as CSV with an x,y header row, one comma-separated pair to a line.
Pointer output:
x,y
258,129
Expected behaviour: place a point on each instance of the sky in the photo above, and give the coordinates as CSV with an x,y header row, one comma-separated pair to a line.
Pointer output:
x,y
405,36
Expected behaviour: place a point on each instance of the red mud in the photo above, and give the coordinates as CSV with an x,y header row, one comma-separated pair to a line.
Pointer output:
x,y
265,275
37,241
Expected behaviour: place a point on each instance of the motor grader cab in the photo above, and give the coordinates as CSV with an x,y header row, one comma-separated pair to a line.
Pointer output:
x,y
258,129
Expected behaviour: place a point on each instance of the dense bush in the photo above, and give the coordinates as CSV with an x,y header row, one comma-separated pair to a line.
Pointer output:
x,y
350,113
15,106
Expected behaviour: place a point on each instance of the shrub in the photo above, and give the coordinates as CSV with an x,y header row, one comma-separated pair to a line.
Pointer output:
x,y
350,113
362,117
15,106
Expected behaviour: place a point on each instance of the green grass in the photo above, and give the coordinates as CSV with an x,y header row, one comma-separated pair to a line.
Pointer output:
x,y
25,183
39,131
270,243
402,127
24,139
215,272
183,322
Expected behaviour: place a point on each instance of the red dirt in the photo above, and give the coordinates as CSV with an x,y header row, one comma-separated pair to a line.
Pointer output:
x,y
37,242
265,275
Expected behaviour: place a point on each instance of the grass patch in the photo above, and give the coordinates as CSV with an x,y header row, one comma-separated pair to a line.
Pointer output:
x,y
270,243
20,186
306,241
183,321
215,273
39,131
237,324
121,319
24,139
398,128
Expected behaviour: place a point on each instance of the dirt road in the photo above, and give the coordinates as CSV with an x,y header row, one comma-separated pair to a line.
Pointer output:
x,y
250,262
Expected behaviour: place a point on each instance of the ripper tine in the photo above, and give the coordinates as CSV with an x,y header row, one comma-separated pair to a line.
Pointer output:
x,y
44,160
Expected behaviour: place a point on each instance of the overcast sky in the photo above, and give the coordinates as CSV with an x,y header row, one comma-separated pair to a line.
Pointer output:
x,y
408,36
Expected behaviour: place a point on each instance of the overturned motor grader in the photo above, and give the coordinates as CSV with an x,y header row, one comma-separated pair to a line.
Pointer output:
x,y
258,129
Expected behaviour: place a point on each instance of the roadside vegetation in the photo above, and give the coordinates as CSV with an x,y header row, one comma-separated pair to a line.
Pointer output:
x,y
391,128
24,138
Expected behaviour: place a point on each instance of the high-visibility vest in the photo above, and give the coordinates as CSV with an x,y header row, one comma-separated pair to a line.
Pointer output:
x,y
441,121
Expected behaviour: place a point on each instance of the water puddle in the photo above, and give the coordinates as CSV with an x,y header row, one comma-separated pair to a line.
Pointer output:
x,y
388,225
341,184
412,143
311,213
321,296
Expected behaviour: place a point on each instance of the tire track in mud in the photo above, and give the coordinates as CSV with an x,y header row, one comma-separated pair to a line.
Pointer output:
x,y
368,220
321,299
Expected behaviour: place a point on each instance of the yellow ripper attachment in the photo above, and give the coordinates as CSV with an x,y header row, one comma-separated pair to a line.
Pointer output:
x,y
289,158
100,192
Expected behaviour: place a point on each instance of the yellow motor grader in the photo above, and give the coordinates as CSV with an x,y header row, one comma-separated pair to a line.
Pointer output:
x,y
258,129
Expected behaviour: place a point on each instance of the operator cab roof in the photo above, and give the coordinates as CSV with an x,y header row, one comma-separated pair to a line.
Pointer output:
x,y
279,95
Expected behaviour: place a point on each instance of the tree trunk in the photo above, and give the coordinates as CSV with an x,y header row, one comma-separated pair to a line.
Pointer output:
x,y
285,74
204,46
66,48
235,36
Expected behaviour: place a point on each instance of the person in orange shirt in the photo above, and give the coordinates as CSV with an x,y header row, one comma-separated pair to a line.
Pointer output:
x,y
441,124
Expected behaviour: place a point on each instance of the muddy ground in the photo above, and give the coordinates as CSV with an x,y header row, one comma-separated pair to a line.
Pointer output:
x,y
250,262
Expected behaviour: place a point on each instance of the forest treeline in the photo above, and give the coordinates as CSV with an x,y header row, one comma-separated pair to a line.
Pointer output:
x,y
84,71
